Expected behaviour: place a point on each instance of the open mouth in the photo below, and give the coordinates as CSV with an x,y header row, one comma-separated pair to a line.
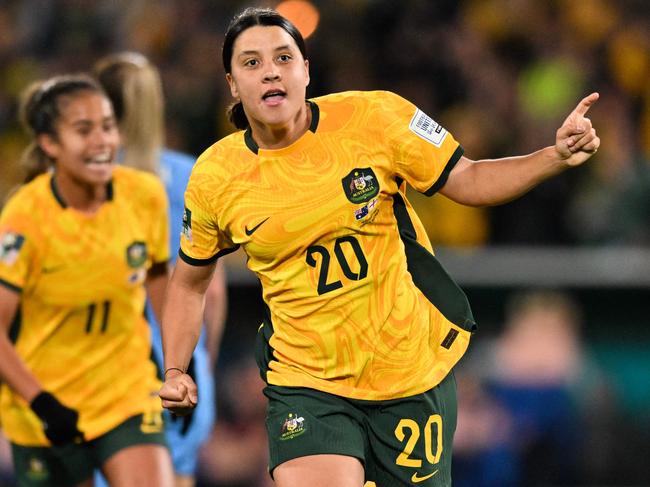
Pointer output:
x,y
274,96
103,158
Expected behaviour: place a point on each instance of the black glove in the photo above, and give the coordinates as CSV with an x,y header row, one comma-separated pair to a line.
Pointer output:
x,y
59,421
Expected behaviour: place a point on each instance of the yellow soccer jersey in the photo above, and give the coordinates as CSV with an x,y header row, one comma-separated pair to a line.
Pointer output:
x,y
81,328
358,304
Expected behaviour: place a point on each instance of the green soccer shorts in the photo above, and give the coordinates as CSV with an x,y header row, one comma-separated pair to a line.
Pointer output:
x,y
401,442
72,464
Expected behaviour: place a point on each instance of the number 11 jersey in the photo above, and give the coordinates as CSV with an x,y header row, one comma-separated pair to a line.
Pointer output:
x,y
81,328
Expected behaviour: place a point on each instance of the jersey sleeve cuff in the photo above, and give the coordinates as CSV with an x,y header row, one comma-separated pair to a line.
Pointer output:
x,y
201,262
455,157
10,286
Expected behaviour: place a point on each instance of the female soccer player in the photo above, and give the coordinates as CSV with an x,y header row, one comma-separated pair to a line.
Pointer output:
x,y
80,243
364,326
133,84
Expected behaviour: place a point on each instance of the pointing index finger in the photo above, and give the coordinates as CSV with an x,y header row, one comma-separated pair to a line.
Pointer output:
x,y
585,104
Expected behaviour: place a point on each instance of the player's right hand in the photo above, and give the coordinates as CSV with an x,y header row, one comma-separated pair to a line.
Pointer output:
x,y
59,421
576,140
179,394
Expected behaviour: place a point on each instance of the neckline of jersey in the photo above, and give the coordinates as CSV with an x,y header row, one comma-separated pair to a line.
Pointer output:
x,y
59,198
252,145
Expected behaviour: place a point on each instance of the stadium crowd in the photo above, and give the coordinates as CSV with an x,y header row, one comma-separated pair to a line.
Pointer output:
x,y
496,73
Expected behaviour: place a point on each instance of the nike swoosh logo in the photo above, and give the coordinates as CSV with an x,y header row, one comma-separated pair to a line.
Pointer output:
x,y
417,479
50,270
252,230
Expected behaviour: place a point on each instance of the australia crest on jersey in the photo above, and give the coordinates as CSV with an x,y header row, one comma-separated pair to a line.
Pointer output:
x,y
360,185
136,254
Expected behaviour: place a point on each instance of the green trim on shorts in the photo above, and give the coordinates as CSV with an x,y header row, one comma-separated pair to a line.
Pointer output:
x,y
400,442
72,464
134,431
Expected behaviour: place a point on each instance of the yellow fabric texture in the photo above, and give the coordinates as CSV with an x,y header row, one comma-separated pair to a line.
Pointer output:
x,y
316,221
82,327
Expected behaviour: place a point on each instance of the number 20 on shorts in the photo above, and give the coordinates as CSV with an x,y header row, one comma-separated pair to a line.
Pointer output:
x,y
408,430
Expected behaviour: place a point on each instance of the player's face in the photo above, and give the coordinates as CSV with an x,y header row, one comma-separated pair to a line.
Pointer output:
x,y
86,139
269,75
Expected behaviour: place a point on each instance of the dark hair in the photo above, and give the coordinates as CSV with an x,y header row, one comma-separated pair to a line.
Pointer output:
x,y
40,110
251,17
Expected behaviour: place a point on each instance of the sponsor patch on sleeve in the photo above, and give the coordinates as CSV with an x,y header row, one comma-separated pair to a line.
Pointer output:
x,y
427,128
187,225
10,245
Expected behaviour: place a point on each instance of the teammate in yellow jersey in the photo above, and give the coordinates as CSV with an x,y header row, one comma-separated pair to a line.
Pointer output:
x,y
79,244
364,326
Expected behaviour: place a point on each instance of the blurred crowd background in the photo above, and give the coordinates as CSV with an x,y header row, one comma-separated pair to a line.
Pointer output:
x,y
556,389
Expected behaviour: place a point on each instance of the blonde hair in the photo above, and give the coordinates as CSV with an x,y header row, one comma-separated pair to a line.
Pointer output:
x,y
133,84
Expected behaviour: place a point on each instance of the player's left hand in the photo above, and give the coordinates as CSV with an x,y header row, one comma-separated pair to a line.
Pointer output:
x,y
60,423
576,140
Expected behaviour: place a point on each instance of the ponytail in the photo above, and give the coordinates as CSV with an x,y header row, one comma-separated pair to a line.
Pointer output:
x,y
134,87
34,161
237,116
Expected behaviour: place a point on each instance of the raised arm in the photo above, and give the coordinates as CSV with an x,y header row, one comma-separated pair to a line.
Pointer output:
x,y
181,327
494,181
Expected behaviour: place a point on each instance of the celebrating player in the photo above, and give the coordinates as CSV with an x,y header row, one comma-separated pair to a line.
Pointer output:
x,y
364,326
79,244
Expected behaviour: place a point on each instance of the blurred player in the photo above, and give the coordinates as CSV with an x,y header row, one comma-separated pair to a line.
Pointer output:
x,y
364,326
134,86
79,245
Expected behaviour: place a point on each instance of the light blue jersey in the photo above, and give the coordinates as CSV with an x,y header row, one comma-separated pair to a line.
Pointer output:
x,y
184,434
